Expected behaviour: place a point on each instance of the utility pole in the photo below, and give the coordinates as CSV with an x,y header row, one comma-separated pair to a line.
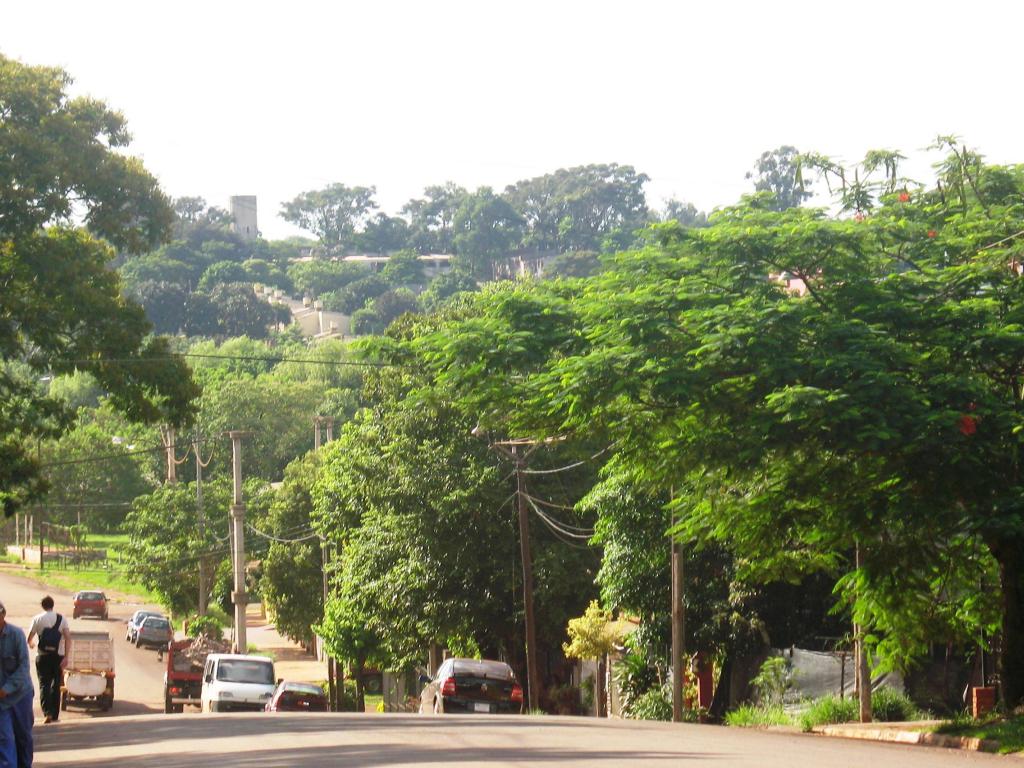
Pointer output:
x,y
863,672
316,433
238,596
678,630
201,517
527,557
167,437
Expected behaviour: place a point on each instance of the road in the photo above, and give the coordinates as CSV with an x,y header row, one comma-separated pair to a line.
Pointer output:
x,y
136,732
265,740
138,685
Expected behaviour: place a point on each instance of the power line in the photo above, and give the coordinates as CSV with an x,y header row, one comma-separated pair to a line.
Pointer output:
x,y
567,467
244,358
254,529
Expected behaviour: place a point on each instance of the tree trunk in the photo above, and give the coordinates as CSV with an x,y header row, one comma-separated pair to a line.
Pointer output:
x,y
720,702
360,701
1010,556
599,694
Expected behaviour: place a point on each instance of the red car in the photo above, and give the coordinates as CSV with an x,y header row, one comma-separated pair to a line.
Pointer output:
x,y
90,604
297,697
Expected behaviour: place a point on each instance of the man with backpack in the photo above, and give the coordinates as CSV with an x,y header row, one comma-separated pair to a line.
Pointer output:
x,y
15,697
51,658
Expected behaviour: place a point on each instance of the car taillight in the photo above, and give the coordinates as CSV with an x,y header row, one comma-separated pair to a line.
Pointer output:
x,y
448,688
517,694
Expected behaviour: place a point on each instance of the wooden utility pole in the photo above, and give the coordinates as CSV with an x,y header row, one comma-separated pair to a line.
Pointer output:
x,y
201,518
527,557
238,596
678,631
863,672
167,437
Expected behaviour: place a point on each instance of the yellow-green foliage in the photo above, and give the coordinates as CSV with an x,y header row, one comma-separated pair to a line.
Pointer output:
x,y
590,635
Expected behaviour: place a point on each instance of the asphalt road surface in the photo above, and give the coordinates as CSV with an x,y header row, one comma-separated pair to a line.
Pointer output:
x,y
139,677
268,740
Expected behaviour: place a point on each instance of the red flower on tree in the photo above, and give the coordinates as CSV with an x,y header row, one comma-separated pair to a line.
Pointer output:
x,y
932,233
968,425
904,197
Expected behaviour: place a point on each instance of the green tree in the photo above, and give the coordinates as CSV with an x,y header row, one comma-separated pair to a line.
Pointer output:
x,y
292,580
335,214
432,218
60,158
578,209
486,229
778,171
383,234
221,272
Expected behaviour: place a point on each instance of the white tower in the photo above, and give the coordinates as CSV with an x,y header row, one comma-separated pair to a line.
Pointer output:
x,y
243,216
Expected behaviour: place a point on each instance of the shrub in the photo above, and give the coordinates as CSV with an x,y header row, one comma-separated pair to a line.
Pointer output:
x,y
634,676
655,704
208,626
773,680
828,710
757,716
891,706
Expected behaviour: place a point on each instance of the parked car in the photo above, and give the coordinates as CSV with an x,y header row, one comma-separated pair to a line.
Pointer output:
x,y
472,685
90,604
135,621
237,682
155,632
297,697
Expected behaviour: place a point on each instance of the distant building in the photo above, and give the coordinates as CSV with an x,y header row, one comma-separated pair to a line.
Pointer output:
x,y
243,216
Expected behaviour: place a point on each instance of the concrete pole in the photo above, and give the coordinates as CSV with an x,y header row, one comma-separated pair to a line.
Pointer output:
x,y
316,433
524,544
172,467
863,672
238,596
329,423
201,517
678,632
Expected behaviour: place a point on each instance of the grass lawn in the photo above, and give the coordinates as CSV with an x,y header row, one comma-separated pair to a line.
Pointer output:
x,y
1008,731
112,582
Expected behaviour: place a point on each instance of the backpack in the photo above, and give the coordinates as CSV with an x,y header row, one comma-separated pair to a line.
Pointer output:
x,y
49,638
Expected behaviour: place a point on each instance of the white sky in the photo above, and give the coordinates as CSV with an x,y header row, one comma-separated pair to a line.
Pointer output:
x,y
274,98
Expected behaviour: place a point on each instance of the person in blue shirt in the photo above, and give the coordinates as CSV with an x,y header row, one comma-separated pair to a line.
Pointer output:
x,y
16,694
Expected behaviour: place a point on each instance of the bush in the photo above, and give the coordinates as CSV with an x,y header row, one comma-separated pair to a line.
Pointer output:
x,y
655,704
773,680
828,710
208,626
634,676
891,706
757,716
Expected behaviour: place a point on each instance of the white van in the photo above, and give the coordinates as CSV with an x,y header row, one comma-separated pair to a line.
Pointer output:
x,y
233,682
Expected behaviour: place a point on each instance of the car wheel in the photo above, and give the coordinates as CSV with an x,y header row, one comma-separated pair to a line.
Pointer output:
x,y
168,704
64,701
214,706
438,706
138,643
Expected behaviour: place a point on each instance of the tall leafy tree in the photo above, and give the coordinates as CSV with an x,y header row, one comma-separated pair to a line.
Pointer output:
x,y
335,214
432,217
778,172
61,307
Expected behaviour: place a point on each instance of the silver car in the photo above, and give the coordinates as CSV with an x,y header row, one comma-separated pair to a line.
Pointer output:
x,y
155,632
135,621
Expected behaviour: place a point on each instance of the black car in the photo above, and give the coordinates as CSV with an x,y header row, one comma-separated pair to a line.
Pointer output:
x,y
472,686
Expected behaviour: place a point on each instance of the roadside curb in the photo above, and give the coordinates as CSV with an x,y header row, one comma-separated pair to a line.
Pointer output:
x,y
924,738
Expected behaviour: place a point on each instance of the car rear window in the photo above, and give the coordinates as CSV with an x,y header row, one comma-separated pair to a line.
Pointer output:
x,y
90,596
307,690
154,623
245,671
496,670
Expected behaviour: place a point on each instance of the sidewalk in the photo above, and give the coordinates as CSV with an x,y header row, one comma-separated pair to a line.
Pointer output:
x,y
917,732
291,662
